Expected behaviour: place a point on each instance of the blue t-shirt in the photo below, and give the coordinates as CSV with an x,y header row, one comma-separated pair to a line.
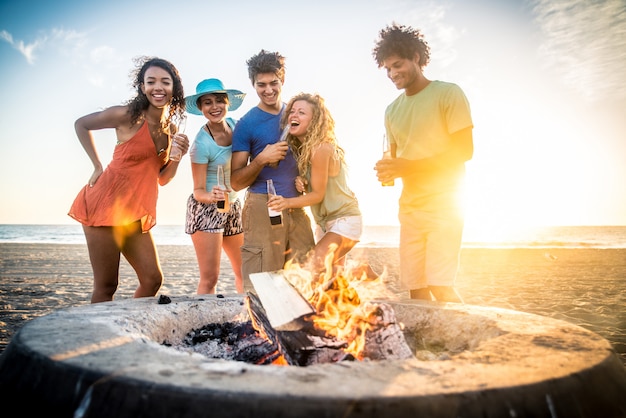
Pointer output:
x,y
204,150
253,132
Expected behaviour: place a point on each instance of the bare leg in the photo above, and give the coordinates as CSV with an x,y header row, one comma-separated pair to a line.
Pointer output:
x,y
208,248
331,242
104,255
141,253
445,294
232,246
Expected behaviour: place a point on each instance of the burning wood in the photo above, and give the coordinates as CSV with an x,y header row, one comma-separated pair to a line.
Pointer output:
x,y
294,320
284,305
384,339
298,347
340,327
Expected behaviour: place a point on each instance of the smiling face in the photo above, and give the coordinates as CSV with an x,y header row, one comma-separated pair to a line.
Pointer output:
x,y
158,86
404,73
268,87
214,107
300,117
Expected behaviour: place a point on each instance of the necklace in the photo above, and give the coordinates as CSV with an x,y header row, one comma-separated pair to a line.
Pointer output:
x,y
211,133
209,129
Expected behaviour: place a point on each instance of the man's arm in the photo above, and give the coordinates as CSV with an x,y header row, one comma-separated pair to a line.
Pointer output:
x,y
243,174
462,150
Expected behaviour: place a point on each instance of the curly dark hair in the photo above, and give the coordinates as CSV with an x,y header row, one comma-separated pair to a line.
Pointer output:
x,y
266,62
403,41
140,102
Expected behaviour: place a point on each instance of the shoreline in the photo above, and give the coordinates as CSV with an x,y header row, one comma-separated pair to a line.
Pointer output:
x,y
584,286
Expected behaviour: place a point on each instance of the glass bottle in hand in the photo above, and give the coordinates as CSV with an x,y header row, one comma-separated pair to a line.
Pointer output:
x,y
283,137
276,218
223,206
175,152
387,155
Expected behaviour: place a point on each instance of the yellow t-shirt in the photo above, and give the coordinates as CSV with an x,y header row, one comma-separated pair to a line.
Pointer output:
x,y
421,126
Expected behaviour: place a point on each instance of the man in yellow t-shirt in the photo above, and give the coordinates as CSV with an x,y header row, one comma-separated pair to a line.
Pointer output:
x,y
429,127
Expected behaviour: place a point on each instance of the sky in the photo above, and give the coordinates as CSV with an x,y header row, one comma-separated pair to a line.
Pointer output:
x,y
545,81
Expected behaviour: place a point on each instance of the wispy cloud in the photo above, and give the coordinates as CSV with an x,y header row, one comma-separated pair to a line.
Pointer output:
x,y
75,47
27,50
60,41
584,41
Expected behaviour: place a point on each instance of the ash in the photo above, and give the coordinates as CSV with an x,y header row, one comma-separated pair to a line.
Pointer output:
x,y
237,341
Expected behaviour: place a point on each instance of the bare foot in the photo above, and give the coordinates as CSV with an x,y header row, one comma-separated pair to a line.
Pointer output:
x,y
423,293
445,294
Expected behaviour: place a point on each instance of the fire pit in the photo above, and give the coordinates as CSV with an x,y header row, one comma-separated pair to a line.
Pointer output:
x,y
115,359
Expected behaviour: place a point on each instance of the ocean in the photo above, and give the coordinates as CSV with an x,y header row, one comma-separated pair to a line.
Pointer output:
x,y
373,236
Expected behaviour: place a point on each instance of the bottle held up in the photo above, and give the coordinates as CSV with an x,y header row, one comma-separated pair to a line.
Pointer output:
x,y
387,155
283,137
175,152
223,206
276,218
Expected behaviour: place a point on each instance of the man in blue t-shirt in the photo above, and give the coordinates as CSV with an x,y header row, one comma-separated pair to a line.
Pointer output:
x,y
258,156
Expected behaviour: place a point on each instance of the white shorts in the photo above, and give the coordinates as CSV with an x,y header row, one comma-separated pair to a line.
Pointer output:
x,y
350,227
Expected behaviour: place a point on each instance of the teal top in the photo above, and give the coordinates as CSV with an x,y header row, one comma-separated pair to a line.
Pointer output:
x,y
205,150
339,201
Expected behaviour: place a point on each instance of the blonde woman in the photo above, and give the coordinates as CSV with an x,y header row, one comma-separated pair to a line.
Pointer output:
x,y
322,181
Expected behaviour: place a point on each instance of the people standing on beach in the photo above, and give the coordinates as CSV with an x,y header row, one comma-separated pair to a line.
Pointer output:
x,y
214,210
429,127
258,156
117,207
323,180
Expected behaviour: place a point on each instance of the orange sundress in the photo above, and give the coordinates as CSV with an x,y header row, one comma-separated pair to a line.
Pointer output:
x,y
128,188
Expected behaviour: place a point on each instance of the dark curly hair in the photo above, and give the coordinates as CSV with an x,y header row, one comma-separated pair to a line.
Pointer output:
x,y
266,62
403,41
140,102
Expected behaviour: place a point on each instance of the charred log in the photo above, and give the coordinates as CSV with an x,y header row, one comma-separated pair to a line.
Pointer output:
x,y
307,348
384,339
303,347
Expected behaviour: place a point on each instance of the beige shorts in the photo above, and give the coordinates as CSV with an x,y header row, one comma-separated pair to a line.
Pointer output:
x,y
430,245
268,247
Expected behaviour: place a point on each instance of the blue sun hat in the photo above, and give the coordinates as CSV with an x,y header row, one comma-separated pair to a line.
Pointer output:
x,y
213,85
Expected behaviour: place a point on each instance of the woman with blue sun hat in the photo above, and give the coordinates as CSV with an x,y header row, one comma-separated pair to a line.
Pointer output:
x,y
213,217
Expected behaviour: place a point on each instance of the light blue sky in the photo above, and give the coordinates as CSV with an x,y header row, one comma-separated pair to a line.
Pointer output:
x,y
544,79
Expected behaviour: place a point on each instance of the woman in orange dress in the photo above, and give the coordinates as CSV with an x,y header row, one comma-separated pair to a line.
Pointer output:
x,y
117,207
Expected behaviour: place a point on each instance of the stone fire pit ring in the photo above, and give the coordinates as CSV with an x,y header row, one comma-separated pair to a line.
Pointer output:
x,y
108,359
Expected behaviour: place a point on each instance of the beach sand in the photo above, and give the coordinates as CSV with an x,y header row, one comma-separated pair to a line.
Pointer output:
x,y
586,287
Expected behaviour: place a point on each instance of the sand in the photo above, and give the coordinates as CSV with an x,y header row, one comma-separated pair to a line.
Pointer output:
x,y
586,287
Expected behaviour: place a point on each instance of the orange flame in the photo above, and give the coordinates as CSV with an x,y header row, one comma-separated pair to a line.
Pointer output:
x,y
340,297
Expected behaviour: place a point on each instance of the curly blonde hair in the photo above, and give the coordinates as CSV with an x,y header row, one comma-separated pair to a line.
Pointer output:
x,y
321,130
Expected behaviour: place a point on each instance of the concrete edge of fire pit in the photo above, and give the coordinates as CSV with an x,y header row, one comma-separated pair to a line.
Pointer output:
x,y
108,360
